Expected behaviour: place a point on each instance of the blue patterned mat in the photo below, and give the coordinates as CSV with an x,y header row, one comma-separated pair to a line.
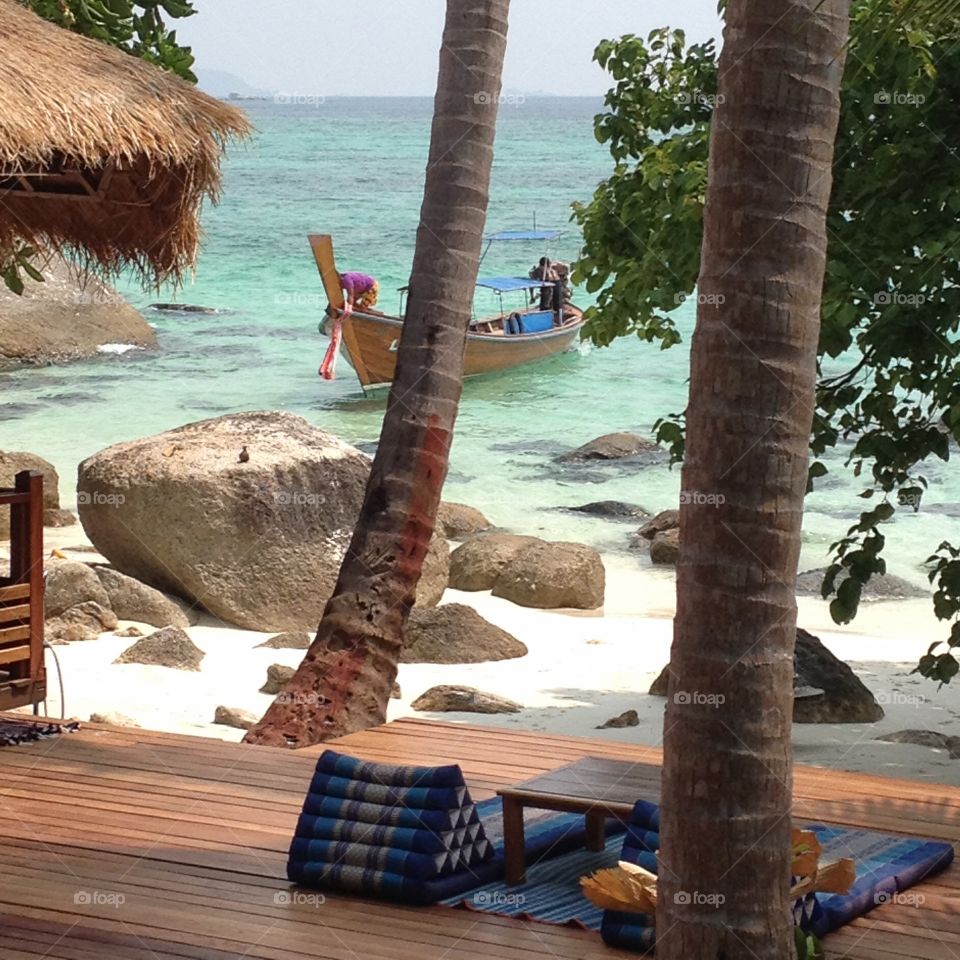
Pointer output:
x,y
885,864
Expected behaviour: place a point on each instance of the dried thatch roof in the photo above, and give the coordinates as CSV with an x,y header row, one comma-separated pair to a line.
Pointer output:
x,y
102,153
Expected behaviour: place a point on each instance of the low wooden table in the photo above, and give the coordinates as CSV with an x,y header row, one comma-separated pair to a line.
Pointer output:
x,y
594,786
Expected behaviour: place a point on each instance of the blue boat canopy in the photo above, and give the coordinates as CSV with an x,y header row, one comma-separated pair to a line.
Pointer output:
x,y
522,235
509,284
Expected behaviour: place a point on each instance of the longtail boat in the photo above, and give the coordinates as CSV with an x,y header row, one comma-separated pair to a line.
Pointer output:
x,y
506,339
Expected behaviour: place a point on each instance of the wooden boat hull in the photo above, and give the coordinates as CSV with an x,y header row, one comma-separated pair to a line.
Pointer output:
x,y
370,345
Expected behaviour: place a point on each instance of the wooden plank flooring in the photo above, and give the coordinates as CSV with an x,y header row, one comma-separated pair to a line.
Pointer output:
x,y
124,843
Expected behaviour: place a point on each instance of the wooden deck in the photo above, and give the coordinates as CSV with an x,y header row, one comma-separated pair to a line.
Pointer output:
x,y
121,843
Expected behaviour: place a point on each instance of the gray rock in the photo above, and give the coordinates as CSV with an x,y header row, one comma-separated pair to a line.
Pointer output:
x,y
169,647
881,587
58,518
395,692
70,582
922,738
476,564
664,520
295,640
665,547
14,462
92,614
611,510
455,699
843,698
458,520
553,575
258,544
113,719
628,718
67,317
612,446
57,631
133,600
234,717
455,633
278,676
130,631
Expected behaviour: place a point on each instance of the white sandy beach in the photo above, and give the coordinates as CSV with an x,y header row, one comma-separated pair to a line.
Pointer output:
x,y
581,670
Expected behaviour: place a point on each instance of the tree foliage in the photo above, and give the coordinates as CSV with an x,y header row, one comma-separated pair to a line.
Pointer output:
x,y
889,388
137,27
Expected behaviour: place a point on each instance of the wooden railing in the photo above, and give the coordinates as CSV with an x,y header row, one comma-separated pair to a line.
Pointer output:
x,y
22,676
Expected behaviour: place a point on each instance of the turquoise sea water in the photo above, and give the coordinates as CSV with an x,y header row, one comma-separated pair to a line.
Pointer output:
x,y
354,168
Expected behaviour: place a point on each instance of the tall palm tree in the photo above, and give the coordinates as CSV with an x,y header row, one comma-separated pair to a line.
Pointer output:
x,y
345,680
727,776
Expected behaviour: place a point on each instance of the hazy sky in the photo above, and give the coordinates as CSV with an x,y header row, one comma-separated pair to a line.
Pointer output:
x,y
389,47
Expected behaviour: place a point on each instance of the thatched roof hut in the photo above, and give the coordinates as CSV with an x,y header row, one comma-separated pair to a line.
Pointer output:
x,y
101,153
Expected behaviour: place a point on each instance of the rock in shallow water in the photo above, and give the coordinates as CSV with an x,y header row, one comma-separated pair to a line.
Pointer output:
x,y
665,547
456,699
455,633
612,446
169,647
611,510
258,544
883,587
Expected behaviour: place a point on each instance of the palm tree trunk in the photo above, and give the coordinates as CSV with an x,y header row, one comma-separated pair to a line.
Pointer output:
x,y
345,680
727,776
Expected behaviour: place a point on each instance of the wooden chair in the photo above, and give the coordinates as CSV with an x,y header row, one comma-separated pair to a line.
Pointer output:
x,y
22,673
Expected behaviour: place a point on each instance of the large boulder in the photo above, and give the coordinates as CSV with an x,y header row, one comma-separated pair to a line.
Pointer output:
x,y
69,583
839,696
612,446
845,698
133,600
169,647
258,544
12,463
476,564
456,633
456,521
456,699
67,318
550,575
435,576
